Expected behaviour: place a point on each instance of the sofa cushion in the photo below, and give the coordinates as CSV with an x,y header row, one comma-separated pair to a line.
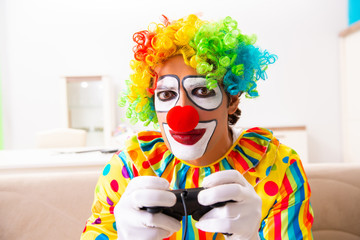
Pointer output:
x,y
335,200
45,205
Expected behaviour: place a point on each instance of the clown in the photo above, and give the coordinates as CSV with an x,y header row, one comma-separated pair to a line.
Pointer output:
x,y
192,118
188,76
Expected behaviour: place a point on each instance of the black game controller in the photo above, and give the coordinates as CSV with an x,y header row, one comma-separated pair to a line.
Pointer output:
x,y
193,207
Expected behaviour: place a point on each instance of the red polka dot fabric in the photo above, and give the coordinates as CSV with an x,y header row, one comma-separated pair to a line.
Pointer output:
x,y
273,169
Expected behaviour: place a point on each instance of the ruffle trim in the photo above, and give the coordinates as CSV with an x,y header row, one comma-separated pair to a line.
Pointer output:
x,y
252,146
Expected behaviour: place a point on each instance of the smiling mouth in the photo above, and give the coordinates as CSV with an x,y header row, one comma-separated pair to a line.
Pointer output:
x,y
188,138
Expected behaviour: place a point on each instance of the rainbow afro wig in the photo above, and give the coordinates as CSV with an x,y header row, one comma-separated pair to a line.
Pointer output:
x,y
217,50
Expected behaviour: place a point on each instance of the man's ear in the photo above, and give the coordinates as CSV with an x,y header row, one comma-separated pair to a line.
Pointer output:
x,y
234,103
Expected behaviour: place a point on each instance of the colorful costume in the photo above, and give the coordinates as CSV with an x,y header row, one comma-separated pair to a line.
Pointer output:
x,y
274,170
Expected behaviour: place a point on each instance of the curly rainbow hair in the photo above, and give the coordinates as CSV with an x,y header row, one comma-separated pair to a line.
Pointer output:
x,y
217,50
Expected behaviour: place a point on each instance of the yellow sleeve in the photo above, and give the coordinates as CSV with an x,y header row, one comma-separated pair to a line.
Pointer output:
x,y
109,188
291,216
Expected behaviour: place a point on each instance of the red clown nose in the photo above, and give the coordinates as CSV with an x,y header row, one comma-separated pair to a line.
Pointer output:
x,y
182,119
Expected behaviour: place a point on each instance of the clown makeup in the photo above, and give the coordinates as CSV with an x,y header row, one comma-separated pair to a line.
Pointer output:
x,y
187,144
193,119
201,96
190,145
167,93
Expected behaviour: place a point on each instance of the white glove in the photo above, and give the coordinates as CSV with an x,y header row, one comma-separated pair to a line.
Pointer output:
x,y
240,218
133,223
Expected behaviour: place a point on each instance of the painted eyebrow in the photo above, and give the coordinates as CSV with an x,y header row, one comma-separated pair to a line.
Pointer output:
x,y
200,83
166,87
169,75
162,85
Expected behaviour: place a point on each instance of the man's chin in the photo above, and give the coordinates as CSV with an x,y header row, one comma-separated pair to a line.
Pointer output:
x,y
194,151
188,156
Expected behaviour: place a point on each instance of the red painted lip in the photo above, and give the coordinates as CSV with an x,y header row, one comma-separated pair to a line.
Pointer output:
x,y
188,138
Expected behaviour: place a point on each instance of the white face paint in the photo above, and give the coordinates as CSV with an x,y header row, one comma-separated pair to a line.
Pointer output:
x,y
200,95
166,93
193,144
194,150
215,139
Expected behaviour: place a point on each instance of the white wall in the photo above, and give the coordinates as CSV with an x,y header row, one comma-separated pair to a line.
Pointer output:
x,y
48,39
4,97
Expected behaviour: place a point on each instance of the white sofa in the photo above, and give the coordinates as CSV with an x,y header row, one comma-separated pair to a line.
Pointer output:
x,y
54,204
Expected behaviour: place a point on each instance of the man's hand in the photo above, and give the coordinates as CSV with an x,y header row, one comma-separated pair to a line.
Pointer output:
x,y
239,219
133,223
